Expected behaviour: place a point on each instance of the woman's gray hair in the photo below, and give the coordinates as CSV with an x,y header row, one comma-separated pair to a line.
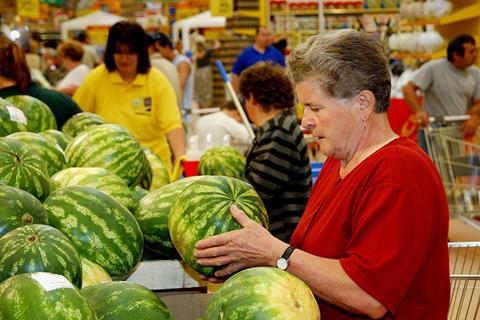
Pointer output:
x,y
343,63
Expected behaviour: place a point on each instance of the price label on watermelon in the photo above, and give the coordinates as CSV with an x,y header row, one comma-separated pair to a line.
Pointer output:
x,y
16,115
50,281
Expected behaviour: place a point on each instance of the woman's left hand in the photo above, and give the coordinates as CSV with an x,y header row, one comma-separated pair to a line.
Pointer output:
x,y
250,246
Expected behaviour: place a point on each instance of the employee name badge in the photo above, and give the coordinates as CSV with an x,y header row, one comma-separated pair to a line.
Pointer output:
x,y
50,281
142,105
16,115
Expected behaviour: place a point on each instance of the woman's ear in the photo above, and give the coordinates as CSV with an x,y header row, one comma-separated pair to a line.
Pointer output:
x,y
366,100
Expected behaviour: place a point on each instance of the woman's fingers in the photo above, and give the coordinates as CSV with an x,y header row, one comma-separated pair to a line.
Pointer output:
x,y
211,279
240,216
230,269
216,261
211,252
213,241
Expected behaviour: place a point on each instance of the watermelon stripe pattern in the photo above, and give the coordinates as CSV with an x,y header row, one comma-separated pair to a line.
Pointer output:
x,y
58,137
270,293
111,147
153,213
38,248
22,168
39,115
92,273
125,301
98,178
7,125
42,296
222,161
160,173
48,150
203,210
81,122
101,229
19,208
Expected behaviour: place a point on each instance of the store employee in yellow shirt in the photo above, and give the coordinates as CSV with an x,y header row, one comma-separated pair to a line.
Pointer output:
x,y
125,90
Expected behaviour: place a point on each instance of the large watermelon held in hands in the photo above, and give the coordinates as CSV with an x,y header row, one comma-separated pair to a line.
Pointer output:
x,y
48,150
81,122
222,161
58,137
203,210
18,208
101,229
111,147
98,178
12,119
121,300
92,273
268,293
42,296
39,115
39,248
21,167
153,212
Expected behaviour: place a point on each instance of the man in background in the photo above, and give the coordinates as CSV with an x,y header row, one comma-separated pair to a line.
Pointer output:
x,y
90,55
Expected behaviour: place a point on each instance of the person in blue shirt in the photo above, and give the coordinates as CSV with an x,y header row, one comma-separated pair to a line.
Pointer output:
x,y
260,50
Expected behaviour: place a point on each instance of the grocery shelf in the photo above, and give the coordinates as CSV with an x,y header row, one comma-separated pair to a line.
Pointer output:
x,y
295,13
245,31
360,11
421,22
469,12
248,13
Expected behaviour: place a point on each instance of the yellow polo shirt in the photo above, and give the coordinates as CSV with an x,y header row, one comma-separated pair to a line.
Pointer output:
x,y
147,107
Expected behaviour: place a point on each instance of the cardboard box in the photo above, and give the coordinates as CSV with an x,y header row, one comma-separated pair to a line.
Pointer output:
x,y
186,305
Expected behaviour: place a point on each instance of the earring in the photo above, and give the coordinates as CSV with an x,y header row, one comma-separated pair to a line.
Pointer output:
x,y
365,123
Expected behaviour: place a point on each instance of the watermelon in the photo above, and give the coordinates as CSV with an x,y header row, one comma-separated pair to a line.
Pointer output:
x,y
161,176
152,216
98,178
222,161
121,300
49,151
101,229
81,122
42,296
92,273
9,121
21,167
58,137
138,193
111,147
39,116
146,181
269,293
203,210
39,248
19,208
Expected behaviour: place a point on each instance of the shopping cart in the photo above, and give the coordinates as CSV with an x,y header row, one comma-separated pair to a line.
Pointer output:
x,y
464,280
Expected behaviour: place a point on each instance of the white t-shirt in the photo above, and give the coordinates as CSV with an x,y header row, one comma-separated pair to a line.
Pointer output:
x,y
219,124
74,77
169,70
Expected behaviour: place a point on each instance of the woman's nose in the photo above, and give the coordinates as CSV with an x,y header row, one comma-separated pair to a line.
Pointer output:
x,y
308,123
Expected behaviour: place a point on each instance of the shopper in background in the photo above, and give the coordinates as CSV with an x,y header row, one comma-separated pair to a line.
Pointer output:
x,y
71,53
373,240
450,86
52,66
165,66
277,164
260,50
203,91
127,91
225,122
184,67
15,79
90,56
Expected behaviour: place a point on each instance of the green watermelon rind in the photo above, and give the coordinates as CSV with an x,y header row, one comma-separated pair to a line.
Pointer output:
x,y
7,125
222,161
81,122
39,115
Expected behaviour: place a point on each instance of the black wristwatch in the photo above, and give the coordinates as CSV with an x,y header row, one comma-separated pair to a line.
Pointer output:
x,y
282,262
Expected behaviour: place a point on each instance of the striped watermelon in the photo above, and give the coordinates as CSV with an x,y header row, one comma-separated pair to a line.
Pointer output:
x,y
161,176
39,116
98,178
39,248
111,147
203,210
121,300
8,122
92,273
49,151
58,137
153,212
146,182
42,296
270,293
101,229
138,193
19,208
222,161
22,168
81,122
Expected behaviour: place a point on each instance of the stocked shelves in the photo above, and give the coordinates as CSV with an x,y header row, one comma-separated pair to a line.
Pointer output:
x,y
360,11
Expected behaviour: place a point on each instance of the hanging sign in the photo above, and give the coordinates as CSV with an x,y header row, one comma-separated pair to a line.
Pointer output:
x,y
223,8
28,8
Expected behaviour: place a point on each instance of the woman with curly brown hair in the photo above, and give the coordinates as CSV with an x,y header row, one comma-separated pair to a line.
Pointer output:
x,y
277,163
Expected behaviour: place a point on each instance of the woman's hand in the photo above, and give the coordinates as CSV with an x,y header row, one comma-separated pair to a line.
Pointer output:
x,y
251,246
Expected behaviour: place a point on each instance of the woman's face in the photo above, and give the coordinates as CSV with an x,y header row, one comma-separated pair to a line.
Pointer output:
x,y
126,61
336,123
